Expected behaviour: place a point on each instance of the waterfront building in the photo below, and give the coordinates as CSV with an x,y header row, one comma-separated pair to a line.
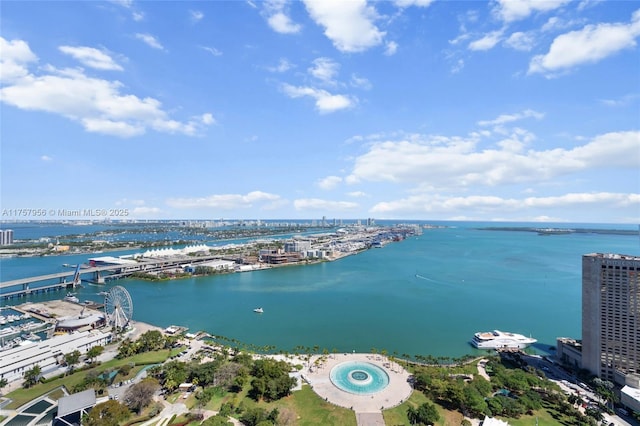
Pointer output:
x,y
297,246
611,315
16,361
6,237
569,351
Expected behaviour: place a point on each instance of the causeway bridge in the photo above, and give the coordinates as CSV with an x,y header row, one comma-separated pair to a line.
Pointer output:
x,y
98,274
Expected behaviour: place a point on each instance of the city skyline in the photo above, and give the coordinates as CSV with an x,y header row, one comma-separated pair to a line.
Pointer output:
x,y
412,109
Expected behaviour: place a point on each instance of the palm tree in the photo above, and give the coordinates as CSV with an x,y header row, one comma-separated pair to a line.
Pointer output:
x,y
32,376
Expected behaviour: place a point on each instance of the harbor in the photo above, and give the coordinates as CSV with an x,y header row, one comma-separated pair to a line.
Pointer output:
x,y
459,274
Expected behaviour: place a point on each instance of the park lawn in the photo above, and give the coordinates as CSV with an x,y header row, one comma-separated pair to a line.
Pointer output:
x,y
313,410
56,394
540,417
398,415
216,402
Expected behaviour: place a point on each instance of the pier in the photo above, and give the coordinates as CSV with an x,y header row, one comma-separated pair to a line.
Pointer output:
x,y
98,274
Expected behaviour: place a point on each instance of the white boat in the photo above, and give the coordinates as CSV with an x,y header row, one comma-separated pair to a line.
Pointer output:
x,y
258,310
71,298
497,339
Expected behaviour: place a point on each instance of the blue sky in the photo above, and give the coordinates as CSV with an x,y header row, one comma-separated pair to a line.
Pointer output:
x,y
411,109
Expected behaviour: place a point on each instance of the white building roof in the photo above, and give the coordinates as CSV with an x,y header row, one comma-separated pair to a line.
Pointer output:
x,y
76,402
44,353
78,322
113,260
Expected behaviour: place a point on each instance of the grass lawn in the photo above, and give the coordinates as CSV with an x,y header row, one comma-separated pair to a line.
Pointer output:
x,y
313,410
56,394
398,415
542,417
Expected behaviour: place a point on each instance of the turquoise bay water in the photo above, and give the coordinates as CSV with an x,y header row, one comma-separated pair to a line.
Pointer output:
x,y
425,295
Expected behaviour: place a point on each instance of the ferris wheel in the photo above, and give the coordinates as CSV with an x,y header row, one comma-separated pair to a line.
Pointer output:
x,y
118,307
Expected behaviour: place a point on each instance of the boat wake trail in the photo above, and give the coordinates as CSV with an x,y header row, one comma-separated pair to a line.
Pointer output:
x,y
425,278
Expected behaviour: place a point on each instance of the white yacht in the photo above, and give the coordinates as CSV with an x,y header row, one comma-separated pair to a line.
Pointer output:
x,y
258,310
501,340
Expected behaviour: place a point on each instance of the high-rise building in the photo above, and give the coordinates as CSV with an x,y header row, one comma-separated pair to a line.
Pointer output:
x,y
611,315
6,237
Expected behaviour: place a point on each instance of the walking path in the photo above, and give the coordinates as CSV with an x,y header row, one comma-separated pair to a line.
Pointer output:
x,y
368,408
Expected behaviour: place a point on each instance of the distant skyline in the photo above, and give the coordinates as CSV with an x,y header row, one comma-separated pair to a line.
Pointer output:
x,y
511,110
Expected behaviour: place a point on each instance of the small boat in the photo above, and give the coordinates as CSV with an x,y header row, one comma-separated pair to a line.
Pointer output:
x,y
71,298
258,310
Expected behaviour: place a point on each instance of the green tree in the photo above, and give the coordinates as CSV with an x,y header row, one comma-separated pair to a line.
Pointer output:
x,y
71,359
254,416
126,349
474,402
425,414
95,352
174,373
150,341
109,413
271,380
32,376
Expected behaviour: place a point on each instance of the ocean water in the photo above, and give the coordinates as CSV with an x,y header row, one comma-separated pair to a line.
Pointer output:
x,y
425,295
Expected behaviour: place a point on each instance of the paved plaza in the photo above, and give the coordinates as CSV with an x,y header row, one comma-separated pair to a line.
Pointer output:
x,y
368,408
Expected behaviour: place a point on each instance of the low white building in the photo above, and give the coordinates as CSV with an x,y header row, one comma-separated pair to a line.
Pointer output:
x,y
630,393
16,361
218,265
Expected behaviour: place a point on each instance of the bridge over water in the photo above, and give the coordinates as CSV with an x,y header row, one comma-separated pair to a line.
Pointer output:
x,y
98,274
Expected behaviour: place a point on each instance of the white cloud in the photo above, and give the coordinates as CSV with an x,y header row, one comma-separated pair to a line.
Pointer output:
x,y
278,18
418,3
15,57
91,57
227,201
556,23
483,205
360,82
324,205
521,41
150,40
212,50
329,182
392,48
588,45
348,24
46,158
128,4
99,105
487,42
621,101
281,23
454,162
196,15
325,101
514,10
357,194
458,66
207,119
324,69
145,211
508,118
283,66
